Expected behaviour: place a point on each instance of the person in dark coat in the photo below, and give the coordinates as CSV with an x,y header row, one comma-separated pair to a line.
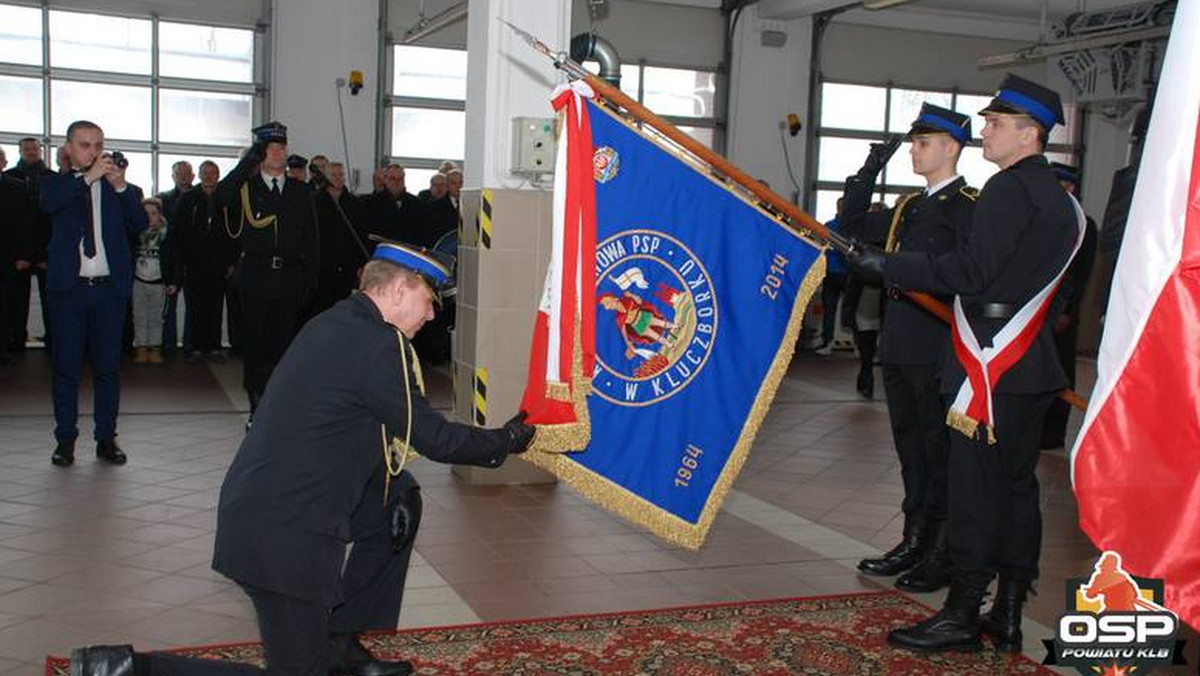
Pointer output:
x,y
913,342
314,474
344,243
393,213
95,213
1065,313
1003,274
273,217
16,231
202,257
32,265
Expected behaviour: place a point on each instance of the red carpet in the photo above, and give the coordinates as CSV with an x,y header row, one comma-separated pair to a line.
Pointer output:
x,y
832,635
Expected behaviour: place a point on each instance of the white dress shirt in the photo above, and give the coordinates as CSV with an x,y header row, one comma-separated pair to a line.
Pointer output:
x,y
934,189
96,266
282,178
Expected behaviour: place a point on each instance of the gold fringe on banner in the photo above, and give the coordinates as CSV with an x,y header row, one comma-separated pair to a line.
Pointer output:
x,y
968,427
567,437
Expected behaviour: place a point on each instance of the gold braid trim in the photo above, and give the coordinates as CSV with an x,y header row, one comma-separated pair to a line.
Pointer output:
x,y
897,215
567,437
968,427
399,450
646,514
247,211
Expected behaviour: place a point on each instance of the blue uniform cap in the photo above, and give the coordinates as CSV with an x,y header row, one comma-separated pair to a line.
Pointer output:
x,y
1066,172
271,131
434,267
937,120
1024,97
296,161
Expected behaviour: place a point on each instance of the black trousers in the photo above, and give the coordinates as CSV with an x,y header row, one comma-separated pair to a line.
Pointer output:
x,y
205,301
1054,430
268,326
20,289
918,415
831,293
295,632
995,516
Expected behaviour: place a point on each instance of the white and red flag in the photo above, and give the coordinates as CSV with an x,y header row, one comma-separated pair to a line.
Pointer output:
x,y
564,338
1136,464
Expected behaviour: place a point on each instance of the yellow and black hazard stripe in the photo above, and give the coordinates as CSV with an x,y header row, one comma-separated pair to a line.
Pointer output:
x,y
484,220
481,380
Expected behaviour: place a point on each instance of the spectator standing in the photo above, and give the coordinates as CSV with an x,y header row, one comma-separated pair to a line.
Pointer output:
x,y
149,291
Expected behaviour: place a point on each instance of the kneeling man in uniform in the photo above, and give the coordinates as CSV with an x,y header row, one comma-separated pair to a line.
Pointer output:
x,y
321,468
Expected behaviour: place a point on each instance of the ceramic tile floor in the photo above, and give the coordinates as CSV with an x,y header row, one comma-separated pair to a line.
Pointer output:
x,y
97,554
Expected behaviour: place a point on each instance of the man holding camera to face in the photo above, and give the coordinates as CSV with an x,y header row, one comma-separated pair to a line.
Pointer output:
x,y
94,214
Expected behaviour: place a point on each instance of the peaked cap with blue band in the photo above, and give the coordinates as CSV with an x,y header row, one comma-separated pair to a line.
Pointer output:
x,y
1065,172
271,131
434,267
937,120
1023,97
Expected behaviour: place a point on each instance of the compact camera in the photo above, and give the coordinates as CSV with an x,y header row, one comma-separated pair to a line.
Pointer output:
x,y
118,158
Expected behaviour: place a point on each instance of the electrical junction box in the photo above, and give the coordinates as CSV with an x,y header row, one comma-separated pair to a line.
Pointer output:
x,y
533,145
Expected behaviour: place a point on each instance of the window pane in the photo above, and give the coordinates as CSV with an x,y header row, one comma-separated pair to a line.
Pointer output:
x,y
974,168
204,117
165,161
138,172
675,91
899,169
702,134
97,42
906,106
1064,158
826,205
20,105
970,105
21,35
205,52
121,111
416,180
1065,134
629,76
841,157
11,154
429,72
852,106
423,132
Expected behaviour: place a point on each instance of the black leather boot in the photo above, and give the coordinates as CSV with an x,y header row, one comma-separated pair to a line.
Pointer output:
x,y
901,557
108,451
1002,623
933,571
351,658
954,627
102,660
64,454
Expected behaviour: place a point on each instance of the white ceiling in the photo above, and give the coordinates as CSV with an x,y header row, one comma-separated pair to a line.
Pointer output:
x,y
1017,9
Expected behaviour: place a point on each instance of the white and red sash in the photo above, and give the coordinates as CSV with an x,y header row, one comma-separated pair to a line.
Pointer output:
x,y
972,405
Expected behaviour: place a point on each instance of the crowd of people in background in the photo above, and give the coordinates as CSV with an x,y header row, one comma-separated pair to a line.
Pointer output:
x,y
189,253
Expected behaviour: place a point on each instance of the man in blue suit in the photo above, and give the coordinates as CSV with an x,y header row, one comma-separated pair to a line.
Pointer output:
x,y
94,214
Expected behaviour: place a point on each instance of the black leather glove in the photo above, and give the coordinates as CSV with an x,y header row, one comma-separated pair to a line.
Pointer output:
x,y
519,434
879,155
866,261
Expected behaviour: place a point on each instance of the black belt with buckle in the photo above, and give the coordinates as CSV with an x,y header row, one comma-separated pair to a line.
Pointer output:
x,y
991,310
275,262
95,281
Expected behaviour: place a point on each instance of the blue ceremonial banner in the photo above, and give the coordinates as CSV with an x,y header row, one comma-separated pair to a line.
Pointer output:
x,y
699,299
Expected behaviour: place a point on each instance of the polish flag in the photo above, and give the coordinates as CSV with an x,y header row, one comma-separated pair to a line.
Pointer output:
x,y
1136,465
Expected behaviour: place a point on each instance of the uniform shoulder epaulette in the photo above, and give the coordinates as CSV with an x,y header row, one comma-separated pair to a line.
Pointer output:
x,y
969,192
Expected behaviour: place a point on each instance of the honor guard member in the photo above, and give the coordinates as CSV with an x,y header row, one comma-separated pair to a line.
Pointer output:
x,y
297,168
277,274
1003,275
323,467
914,342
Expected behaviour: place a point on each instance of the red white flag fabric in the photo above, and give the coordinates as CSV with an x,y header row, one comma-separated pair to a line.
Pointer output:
x,y
563,354
1136,465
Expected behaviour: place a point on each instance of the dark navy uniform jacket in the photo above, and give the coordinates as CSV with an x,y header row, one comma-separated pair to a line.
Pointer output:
x,y
929,224
284,514
1022,233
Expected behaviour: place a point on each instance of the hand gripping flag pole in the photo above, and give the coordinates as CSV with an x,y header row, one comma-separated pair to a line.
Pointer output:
x,y
798,219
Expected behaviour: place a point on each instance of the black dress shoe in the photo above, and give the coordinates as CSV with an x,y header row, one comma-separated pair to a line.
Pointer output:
x,y
109,451
933,571
900,558
102,660
954,628
64,454
351,658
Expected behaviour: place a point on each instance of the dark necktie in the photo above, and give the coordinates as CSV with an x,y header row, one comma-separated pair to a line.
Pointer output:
x,y
275,186
89,231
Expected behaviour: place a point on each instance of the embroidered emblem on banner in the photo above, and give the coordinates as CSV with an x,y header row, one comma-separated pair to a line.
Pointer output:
x,y
657,318
605,163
